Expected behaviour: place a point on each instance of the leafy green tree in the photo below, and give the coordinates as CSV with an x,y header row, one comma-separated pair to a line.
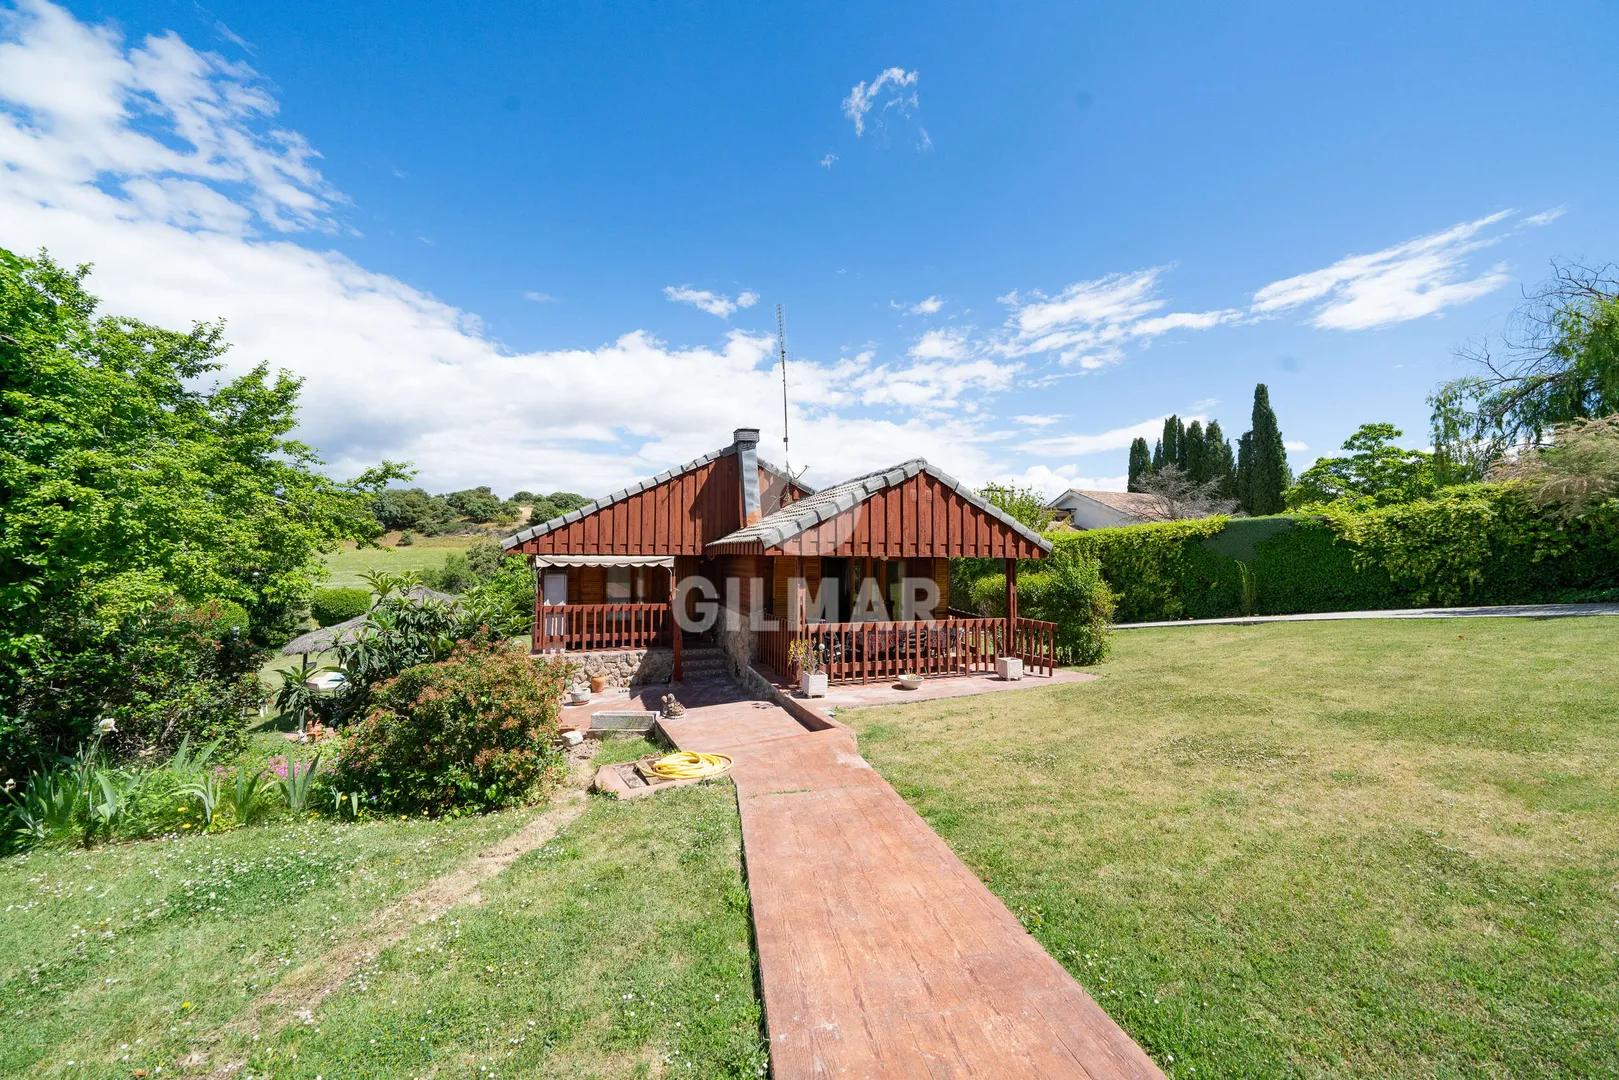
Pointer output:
x,y
136,486
1140,463
1260,488
1575,473
565,501
411,508
1025,505
1558,363
478,504
1376,473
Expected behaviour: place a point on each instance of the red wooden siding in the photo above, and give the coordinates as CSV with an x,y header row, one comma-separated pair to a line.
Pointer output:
x,y
916,518
676,517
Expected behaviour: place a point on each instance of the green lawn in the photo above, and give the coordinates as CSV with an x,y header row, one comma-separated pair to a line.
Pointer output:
x,y
619,948
1353,848
348,565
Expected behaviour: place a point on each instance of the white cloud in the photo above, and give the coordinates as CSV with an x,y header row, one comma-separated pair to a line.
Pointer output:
x,y
1295,446
828,160
1420,277
894,87
81,109
1028,420
1103,441
1087,323
711,302
1545,217
166,168
1054,481
941,345
931,306
537,297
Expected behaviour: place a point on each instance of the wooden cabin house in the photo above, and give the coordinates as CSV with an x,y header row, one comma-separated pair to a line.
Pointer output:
x,y
730,550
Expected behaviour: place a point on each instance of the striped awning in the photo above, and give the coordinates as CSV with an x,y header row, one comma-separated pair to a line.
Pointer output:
x,y
666,561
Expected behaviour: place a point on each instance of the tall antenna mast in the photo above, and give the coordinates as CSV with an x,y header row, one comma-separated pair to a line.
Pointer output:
x,y
781,347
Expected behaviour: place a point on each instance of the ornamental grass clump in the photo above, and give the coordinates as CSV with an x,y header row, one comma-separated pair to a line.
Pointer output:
x,y
474,732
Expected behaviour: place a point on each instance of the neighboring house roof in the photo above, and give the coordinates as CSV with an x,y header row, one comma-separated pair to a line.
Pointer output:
x,y
1134,504
330,637
619,496
798,517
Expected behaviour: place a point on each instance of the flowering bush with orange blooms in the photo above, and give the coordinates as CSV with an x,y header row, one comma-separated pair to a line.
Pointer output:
x,y
474,732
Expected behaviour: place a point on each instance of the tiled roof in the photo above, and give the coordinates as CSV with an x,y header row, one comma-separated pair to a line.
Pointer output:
x,y
1135,503
618,496
797,517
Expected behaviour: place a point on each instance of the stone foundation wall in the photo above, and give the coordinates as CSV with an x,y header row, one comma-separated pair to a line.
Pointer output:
x,y
623,668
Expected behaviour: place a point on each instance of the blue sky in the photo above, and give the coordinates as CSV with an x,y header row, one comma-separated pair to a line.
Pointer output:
x,y
542,248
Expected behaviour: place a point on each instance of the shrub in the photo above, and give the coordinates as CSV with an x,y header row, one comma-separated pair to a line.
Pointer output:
x,y
1305,566
477,731
1068,591
1160,571
1478,544
335,605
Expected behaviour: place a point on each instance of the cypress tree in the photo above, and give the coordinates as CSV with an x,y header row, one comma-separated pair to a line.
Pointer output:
x,y
1140,463
1243,481
1157,455
1196,453
1173,454
1222,467
1268,475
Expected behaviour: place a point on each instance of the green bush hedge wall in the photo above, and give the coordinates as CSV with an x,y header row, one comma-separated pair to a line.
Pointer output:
x,y
329,606
1477,544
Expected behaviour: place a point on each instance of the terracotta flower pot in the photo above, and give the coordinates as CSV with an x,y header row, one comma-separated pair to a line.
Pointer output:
x,y
598,683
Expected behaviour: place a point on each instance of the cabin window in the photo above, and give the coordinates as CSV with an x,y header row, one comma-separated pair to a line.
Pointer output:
x,y
896,589
620,587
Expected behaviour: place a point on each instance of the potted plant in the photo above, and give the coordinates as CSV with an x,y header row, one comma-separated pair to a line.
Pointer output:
x,y
810,660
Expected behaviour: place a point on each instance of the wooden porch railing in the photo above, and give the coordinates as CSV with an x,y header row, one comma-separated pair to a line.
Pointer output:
x,y
597,627
1035,643
864,652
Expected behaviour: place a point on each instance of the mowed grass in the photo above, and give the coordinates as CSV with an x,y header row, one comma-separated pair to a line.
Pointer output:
x,y
348,565
1350,848
620,948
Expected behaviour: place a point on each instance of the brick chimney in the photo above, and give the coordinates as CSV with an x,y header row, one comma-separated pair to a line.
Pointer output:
x,y
746,441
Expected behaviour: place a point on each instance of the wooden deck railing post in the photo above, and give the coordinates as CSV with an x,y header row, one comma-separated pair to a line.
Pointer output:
x,y
677,673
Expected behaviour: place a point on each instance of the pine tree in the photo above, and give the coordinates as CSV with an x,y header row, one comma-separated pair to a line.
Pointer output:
x,y
1196,452
1268,472
1222,467
1140,463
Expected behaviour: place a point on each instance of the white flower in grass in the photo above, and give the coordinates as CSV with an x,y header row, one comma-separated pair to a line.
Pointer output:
x,y
106,725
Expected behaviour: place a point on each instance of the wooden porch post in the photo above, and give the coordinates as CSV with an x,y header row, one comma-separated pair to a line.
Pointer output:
x,y
1011,606
675,634
539,615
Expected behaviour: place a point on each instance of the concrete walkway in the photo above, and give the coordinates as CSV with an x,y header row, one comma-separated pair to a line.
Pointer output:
x,y
880,953
1501,611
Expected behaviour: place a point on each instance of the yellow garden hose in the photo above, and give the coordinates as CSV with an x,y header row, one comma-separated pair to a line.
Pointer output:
x,y
687,765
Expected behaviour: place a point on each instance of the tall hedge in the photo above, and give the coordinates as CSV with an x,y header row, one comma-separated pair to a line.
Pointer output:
x,y
1478,544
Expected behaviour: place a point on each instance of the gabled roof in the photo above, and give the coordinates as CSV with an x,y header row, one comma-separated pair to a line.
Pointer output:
x,y
1137,504
796,518
619,496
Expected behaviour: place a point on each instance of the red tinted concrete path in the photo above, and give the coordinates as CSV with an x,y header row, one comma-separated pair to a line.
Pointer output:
x,y
880,953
